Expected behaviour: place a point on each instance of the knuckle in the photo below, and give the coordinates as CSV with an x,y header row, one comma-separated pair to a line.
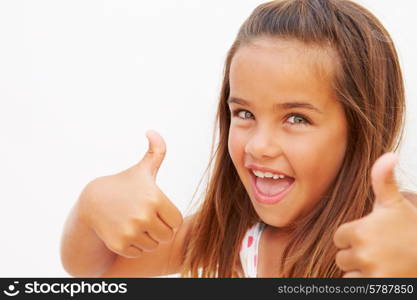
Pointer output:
x,y
118,247
365,260
159,154
155,246
142,221
95,187
338,258
128,235
155,201
357,234
342,229
90,193
168,237
336,236
152,198
150,248
339,235
133,252
130,252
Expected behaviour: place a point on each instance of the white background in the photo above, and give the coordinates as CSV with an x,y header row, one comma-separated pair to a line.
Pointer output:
x,y
81,82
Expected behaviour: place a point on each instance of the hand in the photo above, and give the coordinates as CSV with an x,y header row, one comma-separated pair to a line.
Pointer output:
x,y
383,243
128,211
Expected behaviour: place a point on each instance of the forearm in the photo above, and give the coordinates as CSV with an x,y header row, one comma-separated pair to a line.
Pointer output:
x,y
83,253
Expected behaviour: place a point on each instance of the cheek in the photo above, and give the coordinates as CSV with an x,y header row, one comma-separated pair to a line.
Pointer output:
x,y
320,162
235,146
316,161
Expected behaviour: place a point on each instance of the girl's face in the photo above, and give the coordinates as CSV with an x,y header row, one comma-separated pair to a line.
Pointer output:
x,y
284,117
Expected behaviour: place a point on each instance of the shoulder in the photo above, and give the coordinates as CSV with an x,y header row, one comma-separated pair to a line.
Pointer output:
x,y
166,259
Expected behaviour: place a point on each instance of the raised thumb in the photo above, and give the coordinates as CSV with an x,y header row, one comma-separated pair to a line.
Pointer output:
x,y
383,180
153,158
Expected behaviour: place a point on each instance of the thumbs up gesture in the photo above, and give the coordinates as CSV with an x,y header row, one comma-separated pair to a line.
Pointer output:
x,y
383,243
127,210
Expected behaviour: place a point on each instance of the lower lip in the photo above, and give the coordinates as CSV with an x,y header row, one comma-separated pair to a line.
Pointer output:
x,y
265,199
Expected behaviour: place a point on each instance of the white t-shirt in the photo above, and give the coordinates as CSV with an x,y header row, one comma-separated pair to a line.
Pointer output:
x,y
249,250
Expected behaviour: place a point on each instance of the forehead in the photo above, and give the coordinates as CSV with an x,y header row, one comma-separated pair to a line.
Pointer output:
x,y
286,69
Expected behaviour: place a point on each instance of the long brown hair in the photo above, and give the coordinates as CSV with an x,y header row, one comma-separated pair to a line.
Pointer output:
x,y
368,83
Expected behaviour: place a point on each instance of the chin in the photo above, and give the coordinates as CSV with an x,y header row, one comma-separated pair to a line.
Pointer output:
x,y
273,219
276,223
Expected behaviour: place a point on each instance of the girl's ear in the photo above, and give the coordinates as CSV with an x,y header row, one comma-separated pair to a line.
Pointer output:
x,y
412,197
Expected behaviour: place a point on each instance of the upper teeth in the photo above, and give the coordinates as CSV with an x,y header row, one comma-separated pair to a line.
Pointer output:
x,y
267,175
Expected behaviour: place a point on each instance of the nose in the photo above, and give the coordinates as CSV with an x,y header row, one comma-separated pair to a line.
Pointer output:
x,y
263,144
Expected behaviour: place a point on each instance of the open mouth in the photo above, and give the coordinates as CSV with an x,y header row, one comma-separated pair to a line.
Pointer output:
x,y
270,190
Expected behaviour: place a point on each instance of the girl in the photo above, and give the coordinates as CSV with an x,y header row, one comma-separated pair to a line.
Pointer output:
x,y
312,96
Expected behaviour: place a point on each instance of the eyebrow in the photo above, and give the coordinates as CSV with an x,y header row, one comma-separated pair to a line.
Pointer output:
x,y
277,106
